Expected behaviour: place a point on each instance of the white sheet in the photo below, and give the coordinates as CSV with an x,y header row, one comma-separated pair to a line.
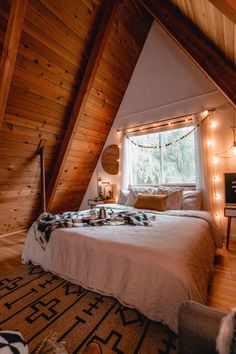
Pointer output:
x,y
152,268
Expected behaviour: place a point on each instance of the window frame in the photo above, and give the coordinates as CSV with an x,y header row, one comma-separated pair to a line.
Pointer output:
x,y
160,130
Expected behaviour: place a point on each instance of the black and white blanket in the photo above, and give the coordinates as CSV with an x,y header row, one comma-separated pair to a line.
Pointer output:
x,y
48,222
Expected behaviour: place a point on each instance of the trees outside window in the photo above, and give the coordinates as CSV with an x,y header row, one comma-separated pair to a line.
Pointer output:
x,y
169,164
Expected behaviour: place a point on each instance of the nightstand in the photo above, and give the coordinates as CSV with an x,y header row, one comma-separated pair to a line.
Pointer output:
x,y
94,202
109,201
229,212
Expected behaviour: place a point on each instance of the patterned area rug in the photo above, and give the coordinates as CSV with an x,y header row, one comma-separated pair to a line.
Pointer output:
x,y
37,303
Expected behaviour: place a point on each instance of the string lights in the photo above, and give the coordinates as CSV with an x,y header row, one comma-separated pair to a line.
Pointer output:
x,y
215,179
232,148
188,119
184,136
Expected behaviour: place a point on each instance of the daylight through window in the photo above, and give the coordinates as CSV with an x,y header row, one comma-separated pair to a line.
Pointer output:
x,y
167,165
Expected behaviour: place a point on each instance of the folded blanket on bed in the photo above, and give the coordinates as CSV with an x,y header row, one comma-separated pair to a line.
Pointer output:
x,y
48,222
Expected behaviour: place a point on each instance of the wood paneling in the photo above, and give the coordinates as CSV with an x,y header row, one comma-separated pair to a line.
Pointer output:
x,y
109,85
103,30
49,66
222,290
227,7
10,48
55,45
203,52
216,19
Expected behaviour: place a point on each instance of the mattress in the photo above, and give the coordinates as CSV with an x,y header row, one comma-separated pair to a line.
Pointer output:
x,y
151,268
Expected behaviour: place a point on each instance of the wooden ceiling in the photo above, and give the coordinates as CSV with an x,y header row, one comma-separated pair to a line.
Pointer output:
x,y
55,50
201,49
216,19
73,64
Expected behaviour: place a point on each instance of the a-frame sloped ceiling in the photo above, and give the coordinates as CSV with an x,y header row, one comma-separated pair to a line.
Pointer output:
x,y
54,49
121,52
216,19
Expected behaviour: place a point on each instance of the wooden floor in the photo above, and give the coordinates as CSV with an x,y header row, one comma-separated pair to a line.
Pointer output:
x,y
10,251
222,293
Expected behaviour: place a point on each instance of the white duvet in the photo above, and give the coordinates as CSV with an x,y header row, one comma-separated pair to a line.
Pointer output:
x,y
151,268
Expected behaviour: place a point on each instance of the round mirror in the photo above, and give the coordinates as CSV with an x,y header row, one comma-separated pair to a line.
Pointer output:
x,y
110,159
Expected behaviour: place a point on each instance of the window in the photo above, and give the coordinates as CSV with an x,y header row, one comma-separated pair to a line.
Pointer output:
x,y
167,165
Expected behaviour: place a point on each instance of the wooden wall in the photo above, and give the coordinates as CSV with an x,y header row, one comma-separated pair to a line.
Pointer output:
x,y
121,53
54,48
216,20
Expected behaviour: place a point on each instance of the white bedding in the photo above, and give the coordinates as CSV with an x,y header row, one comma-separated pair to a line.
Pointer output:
x,y
151,268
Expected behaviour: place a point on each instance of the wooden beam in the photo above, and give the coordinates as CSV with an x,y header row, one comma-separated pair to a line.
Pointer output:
x,y
41,153
227,7
109,11
196,45
10,48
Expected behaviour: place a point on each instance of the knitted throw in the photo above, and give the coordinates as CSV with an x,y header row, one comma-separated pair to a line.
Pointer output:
x,y
48,222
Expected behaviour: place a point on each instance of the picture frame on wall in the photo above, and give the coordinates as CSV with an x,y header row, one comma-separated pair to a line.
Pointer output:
x,y
230,188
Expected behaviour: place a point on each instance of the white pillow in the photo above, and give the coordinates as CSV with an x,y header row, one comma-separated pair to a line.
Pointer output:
x,y
123,197
174,198
192,200
131,198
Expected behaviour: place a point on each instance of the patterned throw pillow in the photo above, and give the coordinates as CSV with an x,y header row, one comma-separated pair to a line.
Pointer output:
x,y
12,342
131,198
174,197
123,197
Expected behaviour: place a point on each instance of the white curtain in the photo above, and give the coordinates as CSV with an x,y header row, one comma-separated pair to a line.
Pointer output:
x,y
204,161
125,163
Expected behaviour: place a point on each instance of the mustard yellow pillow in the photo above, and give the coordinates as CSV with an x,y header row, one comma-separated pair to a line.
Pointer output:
x,y
153,202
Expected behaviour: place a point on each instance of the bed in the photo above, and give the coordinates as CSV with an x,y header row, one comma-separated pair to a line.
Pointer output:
x,y
151,268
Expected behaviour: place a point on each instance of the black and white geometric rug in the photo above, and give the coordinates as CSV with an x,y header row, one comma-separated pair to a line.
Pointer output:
x,y
38,303
12,342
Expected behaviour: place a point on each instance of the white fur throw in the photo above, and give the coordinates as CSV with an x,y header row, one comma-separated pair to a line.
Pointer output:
x,y
12,342
226,339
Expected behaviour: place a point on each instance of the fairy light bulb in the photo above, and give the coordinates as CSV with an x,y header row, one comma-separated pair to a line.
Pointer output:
x,y
217,215
213,124
217,196
205,113
210,142
215,160
216,178
234,148
169,123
